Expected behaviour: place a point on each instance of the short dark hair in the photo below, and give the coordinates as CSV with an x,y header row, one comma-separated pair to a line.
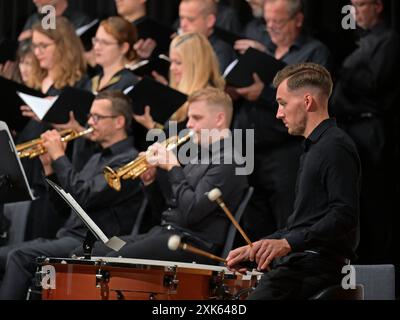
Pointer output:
x,y
121,105
305,75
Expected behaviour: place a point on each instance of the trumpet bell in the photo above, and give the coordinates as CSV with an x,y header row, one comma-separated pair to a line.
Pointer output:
x,y
112,178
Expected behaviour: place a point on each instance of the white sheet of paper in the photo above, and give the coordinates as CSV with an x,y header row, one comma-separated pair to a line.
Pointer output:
x,y
40,106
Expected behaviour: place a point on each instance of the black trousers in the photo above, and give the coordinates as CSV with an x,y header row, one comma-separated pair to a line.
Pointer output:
x,y
297,276
20,263
152,245
274,179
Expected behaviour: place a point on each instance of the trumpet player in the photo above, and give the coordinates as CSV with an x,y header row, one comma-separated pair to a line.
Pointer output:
x,y
114,212
180,202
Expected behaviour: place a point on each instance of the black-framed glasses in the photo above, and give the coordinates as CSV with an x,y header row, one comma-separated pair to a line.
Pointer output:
x,y
97,117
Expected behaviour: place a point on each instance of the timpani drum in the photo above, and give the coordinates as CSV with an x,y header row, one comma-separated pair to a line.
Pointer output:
x,y
106,278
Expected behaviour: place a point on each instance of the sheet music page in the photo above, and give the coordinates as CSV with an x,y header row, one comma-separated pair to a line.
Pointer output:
x,y
80,31
40,106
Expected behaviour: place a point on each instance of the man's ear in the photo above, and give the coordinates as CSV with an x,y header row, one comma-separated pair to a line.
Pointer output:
x,y
210,20
220,119
120,122
299,19
309,102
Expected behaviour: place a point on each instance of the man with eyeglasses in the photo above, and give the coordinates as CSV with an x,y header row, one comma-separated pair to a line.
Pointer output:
x,y
276,152
114,212
365,102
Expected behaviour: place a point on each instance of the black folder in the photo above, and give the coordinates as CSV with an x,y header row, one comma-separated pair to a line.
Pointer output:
x,y
71,99
253,61
159,64
87,32
8,50
162,100
14,186
11,103
150,28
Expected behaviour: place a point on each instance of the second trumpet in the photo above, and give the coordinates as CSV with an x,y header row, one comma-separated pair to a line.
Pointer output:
x,y
136,167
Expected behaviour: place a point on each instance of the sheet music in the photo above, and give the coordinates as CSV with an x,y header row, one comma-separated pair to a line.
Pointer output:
x,y
4,127
80,31
40,106
230,67
114,243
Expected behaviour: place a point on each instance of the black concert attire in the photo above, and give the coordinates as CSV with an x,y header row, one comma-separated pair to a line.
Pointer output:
x,y
323,230
276,152
114,212
184,208
365,102
43,219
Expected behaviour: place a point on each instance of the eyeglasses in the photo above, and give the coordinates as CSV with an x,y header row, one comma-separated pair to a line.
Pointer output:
x,y
41,46
102,42
97,117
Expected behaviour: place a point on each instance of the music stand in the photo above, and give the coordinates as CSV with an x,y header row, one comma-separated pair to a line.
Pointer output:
x,y
94,231
14,186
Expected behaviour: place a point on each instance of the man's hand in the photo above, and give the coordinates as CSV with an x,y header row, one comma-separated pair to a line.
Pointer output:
x,y
264,251
236,256
145,48
146,120
253,92
243,44
149,175
53,144
158,155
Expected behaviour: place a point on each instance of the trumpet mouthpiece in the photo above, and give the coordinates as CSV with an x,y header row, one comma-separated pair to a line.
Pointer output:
x,y
214,194
174,242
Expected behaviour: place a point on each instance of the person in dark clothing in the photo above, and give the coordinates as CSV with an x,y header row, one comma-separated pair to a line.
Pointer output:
x,y
78,19
364,101
322,232
276,152
52,71
114,212
200,16
183,207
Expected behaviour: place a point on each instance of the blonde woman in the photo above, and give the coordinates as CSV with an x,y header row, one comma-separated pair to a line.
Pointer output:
x,y
194,66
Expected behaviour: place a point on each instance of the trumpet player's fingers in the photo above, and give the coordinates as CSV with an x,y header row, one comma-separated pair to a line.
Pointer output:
x,y
149,176
53,144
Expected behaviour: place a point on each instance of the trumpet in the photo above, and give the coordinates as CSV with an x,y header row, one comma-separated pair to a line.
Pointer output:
x,y
136,167
35,148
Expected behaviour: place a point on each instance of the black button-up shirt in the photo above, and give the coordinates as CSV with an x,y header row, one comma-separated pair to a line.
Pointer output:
x,y
326,209
113,211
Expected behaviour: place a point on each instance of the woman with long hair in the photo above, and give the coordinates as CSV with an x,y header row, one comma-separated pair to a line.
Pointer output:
x,y
194,66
